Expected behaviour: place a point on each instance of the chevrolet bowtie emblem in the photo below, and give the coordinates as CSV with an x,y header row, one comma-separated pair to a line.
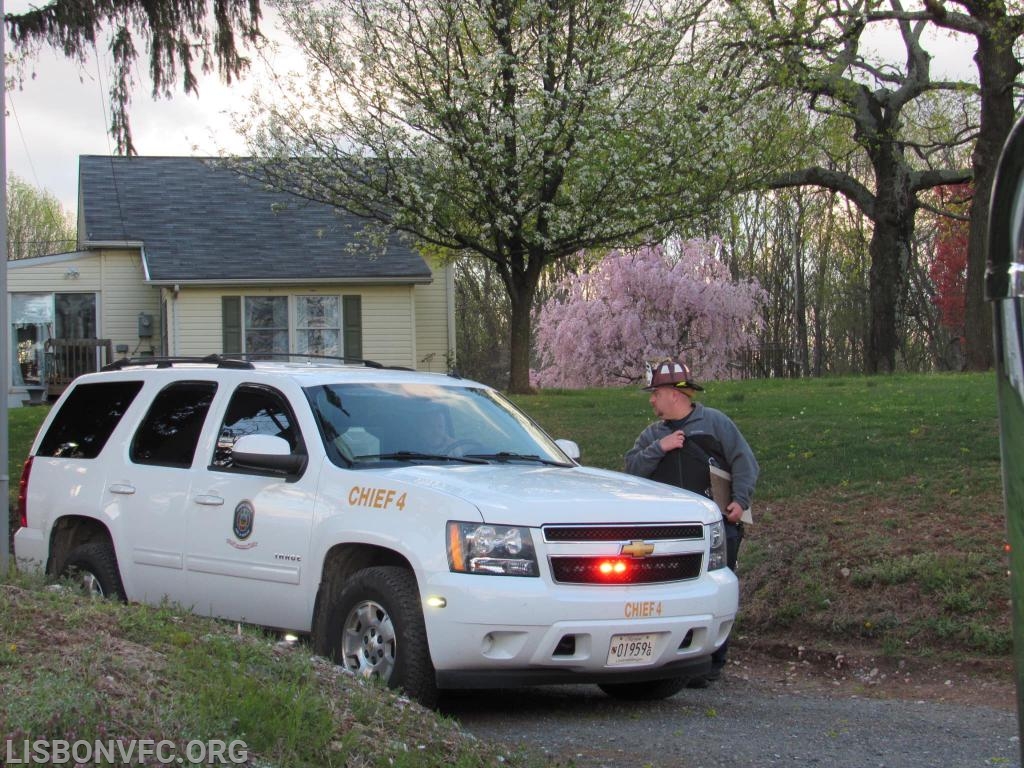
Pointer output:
x,y
637,549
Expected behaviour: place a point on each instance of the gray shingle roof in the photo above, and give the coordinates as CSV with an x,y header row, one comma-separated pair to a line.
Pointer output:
x,y
200,222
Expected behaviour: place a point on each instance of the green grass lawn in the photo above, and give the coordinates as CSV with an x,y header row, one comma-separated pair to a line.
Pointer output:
x,y
814,434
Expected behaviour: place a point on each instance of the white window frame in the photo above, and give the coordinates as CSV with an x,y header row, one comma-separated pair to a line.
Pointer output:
x,y
303,329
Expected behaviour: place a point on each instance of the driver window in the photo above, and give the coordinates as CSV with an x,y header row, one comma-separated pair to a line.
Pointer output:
x,y
255,410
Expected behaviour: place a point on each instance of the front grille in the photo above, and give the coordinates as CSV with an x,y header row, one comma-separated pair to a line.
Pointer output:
x,y
623,532
647,570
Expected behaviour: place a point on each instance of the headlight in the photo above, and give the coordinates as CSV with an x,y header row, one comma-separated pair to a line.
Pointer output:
x,y
718,554
497,550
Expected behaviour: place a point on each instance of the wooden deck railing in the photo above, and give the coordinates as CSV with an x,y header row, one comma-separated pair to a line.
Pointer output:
x,y
68,358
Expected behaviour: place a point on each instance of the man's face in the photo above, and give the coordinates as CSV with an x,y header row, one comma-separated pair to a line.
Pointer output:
x,y
435,435
668,403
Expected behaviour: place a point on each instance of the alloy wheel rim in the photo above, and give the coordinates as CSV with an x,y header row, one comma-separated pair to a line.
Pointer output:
x,y
90,584
368,641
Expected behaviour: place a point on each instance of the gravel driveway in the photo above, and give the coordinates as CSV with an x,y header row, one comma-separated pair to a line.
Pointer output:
x,y
741,724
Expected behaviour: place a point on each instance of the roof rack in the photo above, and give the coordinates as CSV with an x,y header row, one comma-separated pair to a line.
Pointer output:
x,y
241,360
308,356
169,362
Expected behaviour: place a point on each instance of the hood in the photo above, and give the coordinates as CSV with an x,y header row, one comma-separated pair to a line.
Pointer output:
x,y
517,494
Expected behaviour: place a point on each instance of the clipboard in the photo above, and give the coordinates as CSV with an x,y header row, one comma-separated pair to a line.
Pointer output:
x,y
721,492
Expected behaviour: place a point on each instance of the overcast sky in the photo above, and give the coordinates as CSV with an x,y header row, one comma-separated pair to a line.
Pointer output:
x,y
64,112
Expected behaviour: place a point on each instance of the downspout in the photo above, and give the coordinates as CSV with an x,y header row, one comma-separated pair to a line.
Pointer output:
x,y
449,301
172,318
413,329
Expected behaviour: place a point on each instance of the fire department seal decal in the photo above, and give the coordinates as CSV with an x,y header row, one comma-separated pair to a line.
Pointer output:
x,y
244,514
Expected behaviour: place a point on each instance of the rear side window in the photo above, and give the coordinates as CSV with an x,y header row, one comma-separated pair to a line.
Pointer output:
x,y
87,418
170,431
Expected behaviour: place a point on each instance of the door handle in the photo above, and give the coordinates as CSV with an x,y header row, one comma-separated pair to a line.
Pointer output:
x,y
122,488
209,501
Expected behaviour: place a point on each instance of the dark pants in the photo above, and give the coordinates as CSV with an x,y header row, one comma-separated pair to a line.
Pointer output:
x,y
733,539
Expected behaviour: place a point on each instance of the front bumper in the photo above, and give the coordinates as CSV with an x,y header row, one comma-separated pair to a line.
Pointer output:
x,y
502,678
505,631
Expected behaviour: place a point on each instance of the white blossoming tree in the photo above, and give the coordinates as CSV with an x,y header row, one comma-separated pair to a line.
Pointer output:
x,y
521,131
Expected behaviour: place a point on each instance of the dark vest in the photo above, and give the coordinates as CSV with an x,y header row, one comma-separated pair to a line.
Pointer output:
x,y
688,467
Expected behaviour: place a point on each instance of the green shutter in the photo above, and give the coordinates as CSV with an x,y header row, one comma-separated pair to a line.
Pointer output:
x,y
231,323
352,325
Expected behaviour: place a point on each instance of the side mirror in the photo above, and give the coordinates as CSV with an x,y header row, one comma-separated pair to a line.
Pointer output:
x,y
570,449
267,453
1005,289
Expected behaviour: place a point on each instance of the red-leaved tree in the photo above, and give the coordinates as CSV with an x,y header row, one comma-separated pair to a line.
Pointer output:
x,y
644,305
948,267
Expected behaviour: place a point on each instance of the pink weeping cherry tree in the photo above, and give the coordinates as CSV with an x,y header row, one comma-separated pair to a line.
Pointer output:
x,y
641,305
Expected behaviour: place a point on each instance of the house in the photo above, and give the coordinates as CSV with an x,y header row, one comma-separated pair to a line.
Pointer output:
x,y
183,256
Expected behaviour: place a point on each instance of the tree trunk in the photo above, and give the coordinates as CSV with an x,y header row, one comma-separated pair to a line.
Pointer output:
x,y
881,357
890,251
519,346
522,282
997,70
819,342
890,255
799,293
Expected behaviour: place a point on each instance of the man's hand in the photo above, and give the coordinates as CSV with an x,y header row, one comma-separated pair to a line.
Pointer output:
x,y
733,512
673,441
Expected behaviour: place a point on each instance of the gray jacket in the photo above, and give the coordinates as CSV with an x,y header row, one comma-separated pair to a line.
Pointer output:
x,y
645,455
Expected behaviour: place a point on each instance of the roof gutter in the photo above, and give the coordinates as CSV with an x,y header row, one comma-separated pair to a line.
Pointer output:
x,y
50,258
125,245
148,279
213,283
112,244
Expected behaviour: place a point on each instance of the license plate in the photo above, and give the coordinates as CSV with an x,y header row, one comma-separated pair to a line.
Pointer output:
x,y
631,649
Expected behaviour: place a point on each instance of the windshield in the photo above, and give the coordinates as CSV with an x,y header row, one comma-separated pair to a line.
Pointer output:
x,y
367,425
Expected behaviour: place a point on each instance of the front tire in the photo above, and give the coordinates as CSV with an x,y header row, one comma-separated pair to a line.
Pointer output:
x,y
653,690
93,567
373,627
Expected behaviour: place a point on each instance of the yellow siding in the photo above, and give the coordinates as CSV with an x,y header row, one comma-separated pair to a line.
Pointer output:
x,y
46,276
124,297
388,323
434,303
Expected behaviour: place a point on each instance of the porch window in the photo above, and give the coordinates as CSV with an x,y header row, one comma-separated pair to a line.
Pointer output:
x,y
38,317
31,328
75,315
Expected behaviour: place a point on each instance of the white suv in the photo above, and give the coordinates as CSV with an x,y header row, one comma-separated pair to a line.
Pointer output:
x,y
419,526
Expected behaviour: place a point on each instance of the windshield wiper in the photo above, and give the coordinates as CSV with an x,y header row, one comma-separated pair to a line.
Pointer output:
x,y
507,456
416,456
